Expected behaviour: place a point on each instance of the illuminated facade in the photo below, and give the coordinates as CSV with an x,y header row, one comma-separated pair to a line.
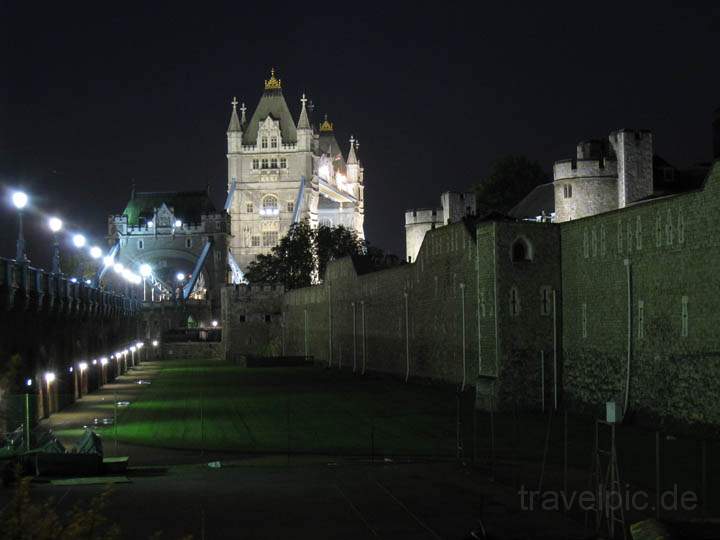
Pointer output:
x,y
281,171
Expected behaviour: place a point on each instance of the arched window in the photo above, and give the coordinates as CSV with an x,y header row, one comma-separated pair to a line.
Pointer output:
x,y
521,250
270,206
514,301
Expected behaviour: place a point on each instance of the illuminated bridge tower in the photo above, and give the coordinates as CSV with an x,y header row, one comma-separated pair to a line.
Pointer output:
x,y
280,172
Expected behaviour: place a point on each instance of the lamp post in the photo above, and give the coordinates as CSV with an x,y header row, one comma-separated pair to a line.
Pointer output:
x,y
79,242
180,277
55,225
20,200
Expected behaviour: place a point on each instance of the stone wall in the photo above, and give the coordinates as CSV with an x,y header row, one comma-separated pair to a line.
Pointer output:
x,y
251,321
193,350
671,245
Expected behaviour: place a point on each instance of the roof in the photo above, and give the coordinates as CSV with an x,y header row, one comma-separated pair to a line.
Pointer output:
x,y
540,199
272,103
328,145
187,206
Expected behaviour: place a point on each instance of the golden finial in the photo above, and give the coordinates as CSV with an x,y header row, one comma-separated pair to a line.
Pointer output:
x,y
273,83
326,125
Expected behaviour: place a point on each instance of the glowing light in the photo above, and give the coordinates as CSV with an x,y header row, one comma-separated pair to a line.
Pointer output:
x,y
150,224
178,223
28,382
132,349
155,343
70,369
82,366
55,224
214,323
88,282
95,252
180,276
73,280
324,172
19,199
118,267
125,352
79,240
49,377
103,361
139,344
145,270
94,362
108,260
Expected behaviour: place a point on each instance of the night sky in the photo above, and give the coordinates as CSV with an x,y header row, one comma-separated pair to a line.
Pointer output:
x,y
92,100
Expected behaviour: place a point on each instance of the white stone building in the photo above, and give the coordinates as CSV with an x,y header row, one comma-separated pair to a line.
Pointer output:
x,y
281,172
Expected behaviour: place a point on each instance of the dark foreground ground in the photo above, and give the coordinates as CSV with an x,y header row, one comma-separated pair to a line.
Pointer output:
x,y
312,453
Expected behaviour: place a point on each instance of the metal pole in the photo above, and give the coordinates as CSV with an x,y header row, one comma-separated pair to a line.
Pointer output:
x,y
115,419
330,336
362,308
56,255
542,380
202,427
657,475
462,308
20,255
555,393
565,451
407,340
306,334
352,304
703,475
27,422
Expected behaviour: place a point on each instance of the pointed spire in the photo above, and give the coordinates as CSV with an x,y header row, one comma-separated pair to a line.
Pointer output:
x,y
352,158
243,121
234,121
303,122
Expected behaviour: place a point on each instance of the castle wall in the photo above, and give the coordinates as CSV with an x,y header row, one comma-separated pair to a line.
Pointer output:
x,y
672,248
436,318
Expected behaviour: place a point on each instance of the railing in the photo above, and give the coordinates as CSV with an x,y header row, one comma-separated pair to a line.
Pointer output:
x,y
15,276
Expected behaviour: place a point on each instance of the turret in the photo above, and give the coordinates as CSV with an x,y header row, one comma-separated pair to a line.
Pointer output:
x,y
234,142
304,130
634,151
353,166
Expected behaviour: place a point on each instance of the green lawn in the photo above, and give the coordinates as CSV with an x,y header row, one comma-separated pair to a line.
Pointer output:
x,y
218,406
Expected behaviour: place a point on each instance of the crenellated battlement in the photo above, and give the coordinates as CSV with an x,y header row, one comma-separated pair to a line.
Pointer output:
x,y
570,169
423,216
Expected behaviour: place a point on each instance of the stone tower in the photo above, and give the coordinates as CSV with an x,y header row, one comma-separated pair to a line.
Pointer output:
x,y
604,175
280,172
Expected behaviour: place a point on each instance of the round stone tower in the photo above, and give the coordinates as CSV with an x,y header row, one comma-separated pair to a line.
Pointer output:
x,y
587,184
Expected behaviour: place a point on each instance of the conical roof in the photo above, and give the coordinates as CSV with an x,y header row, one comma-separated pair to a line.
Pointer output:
x,y
303,121
272,103
234,124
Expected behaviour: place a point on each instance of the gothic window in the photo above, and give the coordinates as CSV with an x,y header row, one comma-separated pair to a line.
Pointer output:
x,y
264,163
256,164
273,142
669,228
269,206
684,317
658,231
255,241
638,233
242,318
263,142
270,238
188,242
521,250
567,191
641,319
514,301
545,300
290,206
283,163
141,244
326,222
583,320
249,208
273,163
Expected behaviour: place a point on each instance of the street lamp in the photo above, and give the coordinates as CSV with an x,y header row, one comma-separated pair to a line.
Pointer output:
x,y
20,200
79,240
214,324
178,223
55,225
95,252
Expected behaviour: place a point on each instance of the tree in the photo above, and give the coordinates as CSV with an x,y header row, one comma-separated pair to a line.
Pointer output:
x,y
510,179
302,254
